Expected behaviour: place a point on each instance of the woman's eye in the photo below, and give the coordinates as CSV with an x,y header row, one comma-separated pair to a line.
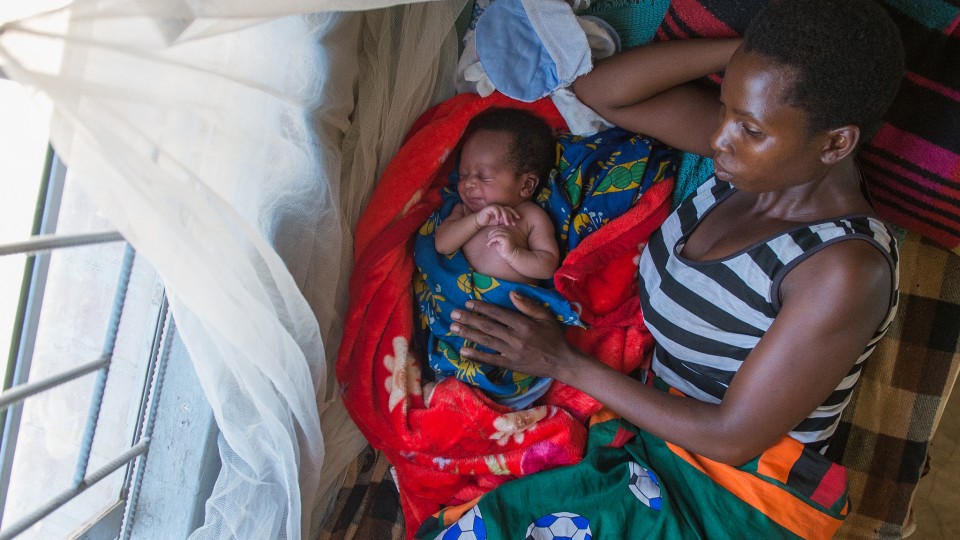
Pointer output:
x,y
753,132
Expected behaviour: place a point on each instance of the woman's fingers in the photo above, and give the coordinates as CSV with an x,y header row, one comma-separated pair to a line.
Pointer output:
x,y
527,342
501,317
485,357
479,329
530,308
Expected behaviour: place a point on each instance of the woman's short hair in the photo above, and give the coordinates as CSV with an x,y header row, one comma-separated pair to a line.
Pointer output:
x,y
534,146
847,56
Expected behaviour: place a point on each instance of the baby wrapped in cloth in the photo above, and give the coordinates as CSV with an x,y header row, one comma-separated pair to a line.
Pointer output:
x,y
601,176
444,283
448,441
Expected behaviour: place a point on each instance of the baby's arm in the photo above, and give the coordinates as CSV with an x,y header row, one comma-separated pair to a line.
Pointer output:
x,y
462,224
542,256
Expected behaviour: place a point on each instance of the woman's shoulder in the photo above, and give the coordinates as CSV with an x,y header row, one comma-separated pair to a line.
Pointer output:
x,y
853,257
852,240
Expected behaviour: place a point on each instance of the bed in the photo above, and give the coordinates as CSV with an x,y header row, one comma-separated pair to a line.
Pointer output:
x,y
235,145
883,438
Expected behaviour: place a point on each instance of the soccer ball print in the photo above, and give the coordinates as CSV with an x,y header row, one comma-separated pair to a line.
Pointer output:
x,y
645,486
560,526
470,526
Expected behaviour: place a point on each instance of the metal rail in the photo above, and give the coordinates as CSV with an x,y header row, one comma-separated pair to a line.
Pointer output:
x,y
96,400
23,391
50,242
70,493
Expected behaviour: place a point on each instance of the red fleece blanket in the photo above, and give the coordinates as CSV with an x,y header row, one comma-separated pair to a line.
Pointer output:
x,y
448,441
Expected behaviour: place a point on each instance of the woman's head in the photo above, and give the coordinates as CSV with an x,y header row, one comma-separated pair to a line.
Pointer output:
x,y
845,56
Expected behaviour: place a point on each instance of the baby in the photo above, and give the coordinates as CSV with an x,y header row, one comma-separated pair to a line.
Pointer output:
x,y
506,241
501,231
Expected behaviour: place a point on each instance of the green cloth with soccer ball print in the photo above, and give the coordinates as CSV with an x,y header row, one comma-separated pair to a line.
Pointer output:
x,y
609,496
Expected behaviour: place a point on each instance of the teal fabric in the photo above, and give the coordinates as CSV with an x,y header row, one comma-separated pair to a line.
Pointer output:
x,y
635,23
693,171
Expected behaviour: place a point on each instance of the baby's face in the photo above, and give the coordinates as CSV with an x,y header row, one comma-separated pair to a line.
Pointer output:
x,y
486,177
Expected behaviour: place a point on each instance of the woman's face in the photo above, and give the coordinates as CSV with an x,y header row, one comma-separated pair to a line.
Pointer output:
x,y
762,144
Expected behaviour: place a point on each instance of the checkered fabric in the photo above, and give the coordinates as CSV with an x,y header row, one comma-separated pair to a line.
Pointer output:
x,y
368,505
886,429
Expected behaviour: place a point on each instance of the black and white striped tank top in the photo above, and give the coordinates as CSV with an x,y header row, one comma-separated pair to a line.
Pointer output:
x,y
706,317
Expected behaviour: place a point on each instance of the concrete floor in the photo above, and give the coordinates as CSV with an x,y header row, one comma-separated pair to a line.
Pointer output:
x,y
936,503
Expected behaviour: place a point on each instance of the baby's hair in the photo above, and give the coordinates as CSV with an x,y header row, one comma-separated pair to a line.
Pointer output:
x,y
847,56
534,146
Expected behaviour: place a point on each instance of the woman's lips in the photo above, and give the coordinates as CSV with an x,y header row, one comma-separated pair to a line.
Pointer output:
x,y
722,173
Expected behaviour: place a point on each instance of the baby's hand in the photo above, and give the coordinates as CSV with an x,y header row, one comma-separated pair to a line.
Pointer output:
x,y
495,214
501,238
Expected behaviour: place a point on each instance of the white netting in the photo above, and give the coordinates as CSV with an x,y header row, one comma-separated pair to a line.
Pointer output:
x,y
234,144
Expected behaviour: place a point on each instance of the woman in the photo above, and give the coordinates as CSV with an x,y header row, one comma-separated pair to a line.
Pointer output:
x,y
765,291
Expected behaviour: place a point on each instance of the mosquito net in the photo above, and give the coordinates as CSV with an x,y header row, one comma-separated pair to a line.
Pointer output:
x,y
234,144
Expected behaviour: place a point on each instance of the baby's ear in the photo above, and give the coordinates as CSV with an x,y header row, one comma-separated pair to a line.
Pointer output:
x,y
528,184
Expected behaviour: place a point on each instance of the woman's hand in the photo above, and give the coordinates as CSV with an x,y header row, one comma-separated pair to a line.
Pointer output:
x,y
530,342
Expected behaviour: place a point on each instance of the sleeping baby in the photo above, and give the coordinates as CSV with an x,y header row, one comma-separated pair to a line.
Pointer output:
x,y
502,232
506,239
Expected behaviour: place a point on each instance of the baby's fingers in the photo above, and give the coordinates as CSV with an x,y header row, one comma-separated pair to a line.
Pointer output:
x,y
506,218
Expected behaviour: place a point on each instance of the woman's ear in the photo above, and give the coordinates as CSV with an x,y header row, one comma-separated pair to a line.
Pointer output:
x,y
840,143
528,184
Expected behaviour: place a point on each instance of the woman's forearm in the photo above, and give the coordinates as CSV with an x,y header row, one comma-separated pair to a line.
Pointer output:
x,y
695,425
642,72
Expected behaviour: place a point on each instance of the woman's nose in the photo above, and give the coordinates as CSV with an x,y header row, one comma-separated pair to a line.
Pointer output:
x,y
720,141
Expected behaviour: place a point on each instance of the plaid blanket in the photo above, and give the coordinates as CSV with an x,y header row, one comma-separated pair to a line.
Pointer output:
x,y
368,504
886,430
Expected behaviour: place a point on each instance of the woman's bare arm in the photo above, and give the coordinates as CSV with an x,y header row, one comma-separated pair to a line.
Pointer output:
x,y
647,89
830,310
